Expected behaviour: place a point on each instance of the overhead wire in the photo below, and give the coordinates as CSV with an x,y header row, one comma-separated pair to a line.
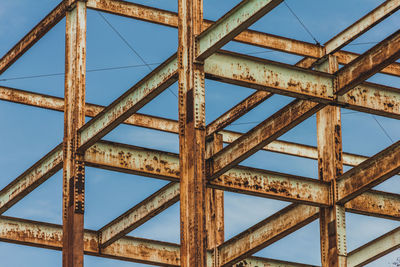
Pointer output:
x,y
129,45
62,73
123,39
255,122
383,129
260,52
301,23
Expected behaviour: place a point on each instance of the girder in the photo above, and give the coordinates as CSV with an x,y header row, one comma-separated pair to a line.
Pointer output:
x,y
204,168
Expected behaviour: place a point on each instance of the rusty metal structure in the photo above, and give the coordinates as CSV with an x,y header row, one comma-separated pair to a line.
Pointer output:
x,y
204,168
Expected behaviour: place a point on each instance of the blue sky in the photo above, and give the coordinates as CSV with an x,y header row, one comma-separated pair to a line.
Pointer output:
x,y
28,133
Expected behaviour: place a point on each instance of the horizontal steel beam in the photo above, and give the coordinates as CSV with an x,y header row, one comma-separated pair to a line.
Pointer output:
x,y
162,124
265,132
231,24
245,180
260,39
369,63
139,214
265,233
369,173
35,35
166,166
49,236
373,98
376,203
134,160
274,185
297,82
374,249
31,178
264,74
45,235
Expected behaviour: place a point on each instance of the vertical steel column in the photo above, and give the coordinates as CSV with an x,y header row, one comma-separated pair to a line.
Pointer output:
x,y
191,136
330,164
74,118
214,201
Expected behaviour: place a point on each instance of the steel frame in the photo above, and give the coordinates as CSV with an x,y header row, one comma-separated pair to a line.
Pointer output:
x,y
204,169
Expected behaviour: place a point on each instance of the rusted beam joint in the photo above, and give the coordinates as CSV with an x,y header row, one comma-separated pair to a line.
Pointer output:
x,y
320,60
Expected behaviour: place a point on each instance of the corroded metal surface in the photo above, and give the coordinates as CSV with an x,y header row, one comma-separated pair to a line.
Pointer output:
x,y
50,236
91,110
263,74
263,183
373,98
191,108
376,203
135,160
330,167
202,219
293,81
274,185
215,224
295,149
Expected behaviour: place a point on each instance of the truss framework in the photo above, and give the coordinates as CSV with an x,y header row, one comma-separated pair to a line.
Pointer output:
x,y
204,168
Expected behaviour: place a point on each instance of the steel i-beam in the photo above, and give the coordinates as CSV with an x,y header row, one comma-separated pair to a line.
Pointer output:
x,y
74,118
330,166
214,202
191,136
